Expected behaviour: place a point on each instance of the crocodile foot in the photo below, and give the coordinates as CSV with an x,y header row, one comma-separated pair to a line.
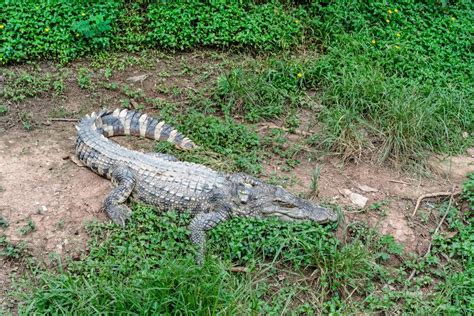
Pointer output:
x,y
119,214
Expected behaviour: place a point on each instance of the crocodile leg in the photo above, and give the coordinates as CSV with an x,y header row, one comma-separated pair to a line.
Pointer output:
x,y
124,180
201,223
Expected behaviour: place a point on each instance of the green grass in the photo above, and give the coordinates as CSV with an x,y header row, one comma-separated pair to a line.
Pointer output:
x,y
261,92
224,144
148,267
395,79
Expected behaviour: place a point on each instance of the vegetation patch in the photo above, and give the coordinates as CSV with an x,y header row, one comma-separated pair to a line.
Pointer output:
x,y
222,23
67,30
149,267
224,144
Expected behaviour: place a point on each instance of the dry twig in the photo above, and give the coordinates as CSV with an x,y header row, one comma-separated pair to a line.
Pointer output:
x,y
63,119
239,269
399,181
430,195
451,199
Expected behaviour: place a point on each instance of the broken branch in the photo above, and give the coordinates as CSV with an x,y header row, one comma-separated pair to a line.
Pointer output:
x,y
431,195
62,119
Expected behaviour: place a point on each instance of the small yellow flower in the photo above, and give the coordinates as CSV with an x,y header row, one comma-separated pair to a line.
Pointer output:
x,y
77,34
299,75
297,21
390,11
453,18
46,30
373,42
397,47
396,10
83,14
2,26
398,34
387,20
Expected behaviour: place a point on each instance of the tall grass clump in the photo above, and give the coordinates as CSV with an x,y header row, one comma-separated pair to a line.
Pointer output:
x,y
395,77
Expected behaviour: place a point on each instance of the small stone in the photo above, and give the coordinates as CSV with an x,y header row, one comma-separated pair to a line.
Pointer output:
x,y
356,199
139,78
470,152
366,188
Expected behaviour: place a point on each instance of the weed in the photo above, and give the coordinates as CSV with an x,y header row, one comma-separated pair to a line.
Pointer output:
x,y
3,222
468,191
69,30
154,263
3,110
259,93
21,85
58,87
61,112
28,228
281,180
25,118
314,186
380,87
379,207
84,77
11,251
60,224
108,73
132,93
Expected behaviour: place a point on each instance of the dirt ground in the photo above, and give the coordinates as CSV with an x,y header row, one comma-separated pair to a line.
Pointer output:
x,y
39,182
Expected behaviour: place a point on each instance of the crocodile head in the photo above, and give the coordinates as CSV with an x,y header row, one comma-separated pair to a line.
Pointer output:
x,y
256,198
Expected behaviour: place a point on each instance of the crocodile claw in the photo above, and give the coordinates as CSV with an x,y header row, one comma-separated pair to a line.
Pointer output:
x,y
120,214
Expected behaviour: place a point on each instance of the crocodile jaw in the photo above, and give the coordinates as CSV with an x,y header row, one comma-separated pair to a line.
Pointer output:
x,y
289,207
256,198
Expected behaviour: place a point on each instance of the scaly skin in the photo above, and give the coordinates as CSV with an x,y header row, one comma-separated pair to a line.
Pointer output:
x,y
163,181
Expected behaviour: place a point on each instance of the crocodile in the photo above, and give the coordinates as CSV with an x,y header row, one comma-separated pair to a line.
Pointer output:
x,y
169,184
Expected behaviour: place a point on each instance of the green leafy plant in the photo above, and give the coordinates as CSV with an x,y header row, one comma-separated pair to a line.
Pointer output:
x,y
28,228
84,77
3,222
11,251
191,23
65,30
3,110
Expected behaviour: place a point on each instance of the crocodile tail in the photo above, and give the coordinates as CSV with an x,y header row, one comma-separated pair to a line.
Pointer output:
x,y
128,122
